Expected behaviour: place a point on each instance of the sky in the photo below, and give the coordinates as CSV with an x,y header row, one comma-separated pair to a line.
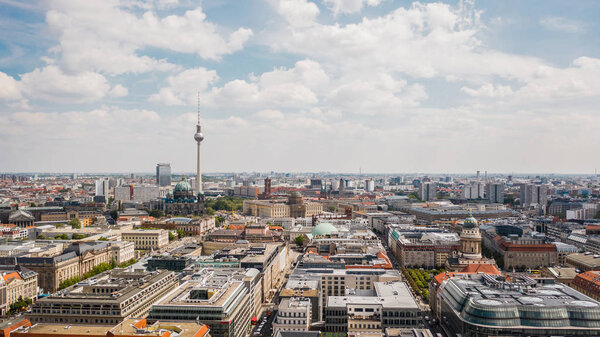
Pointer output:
x,y
381,86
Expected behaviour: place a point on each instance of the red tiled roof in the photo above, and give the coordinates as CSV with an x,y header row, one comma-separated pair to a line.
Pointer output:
x,y
9,277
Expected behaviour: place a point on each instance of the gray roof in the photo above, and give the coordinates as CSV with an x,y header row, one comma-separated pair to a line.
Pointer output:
x,y
20,215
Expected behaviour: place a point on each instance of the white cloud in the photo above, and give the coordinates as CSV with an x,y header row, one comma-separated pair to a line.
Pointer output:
x,y
118,91
488,90
10,89
183,87
52,84
298,13
560,24
349,6
422,41
269,114
105,36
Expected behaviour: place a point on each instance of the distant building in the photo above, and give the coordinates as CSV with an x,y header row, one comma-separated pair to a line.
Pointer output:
x,y
140,193
163,174
534,195
495,192
102,187
474,190
295,207
21,218
427,191
147,239
369,185
182,201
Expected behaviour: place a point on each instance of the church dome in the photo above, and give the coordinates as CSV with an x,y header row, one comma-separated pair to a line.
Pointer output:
x,y
324,228
182,186
470,222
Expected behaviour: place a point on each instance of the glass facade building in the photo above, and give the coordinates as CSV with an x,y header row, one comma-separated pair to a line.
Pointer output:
x,y
486,305
163,174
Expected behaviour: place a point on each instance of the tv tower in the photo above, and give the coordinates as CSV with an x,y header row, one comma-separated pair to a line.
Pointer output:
x,y
199,137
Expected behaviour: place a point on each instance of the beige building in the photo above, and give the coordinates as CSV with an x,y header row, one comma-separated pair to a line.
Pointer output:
x,y
121,251
51,270
113,296
147,239
294,207
86,217
16,282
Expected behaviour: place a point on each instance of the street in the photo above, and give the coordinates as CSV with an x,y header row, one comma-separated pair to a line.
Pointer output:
x,y
264,327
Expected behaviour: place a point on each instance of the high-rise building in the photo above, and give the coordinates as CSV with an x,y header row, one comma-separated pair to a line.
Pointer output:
x,y
534,195
102,187
473,191
495,192
369,185
268,186
427,191
163,174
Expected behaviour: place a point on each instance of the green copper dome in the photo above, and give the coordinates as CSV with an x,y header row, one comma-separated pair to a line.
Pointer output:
x,y
324,228
470,222
182,186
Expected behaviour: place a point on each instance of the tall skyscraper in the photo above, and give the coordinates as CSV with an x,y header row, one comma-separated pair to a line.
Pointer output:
x,y
199,137
473,191
427,191
102,187
534,195
369,185
163,174
495,192
267,186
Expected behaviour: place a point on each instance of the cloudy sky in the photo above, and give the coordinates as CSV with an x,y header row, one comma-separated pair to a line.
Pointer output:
x,y
300,85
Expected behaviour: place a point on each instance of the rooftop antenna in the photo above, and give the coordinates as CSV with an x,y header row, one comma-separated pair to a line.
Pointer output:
x,y
198,108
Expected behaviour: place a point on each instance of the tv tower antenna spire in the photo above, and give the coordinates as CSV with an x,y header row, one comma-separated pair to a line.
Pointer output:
x,y
199,137
198,108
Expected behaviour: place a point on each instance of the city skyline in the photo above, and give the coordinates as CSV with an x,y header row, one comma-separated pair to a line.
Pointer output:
x,y
300,86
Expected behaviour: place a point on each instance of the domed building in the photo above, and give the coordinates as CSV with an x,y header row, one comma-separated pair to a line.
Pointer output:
x,y
183,201
324,229
470,239
470,247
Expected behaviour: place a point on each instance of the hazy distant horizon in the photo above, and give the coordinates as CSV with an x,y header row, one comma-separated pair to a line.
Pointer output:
x,y
193,174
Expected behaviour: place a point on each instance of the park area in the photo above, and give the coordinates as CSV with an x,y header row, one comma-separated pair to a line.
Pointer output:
x,y
419,280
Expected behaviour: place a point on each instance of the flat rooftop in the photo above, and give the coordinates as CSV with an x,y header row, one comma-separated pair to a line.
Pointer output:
x,y
181,295
388,294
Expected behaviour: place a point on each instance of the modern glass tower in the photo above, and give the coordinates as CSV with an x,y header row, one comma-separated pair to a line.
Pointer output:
x,y
163,174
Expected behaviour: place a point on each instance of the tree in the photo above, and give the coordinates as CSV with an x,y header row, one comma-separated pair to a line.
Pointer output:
x,y
74,223
157,213
77,236
171,236
299,240
32,204
103,239
209,211
332,209
219,220
114,214
20,304
110,201
42,237
180,233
